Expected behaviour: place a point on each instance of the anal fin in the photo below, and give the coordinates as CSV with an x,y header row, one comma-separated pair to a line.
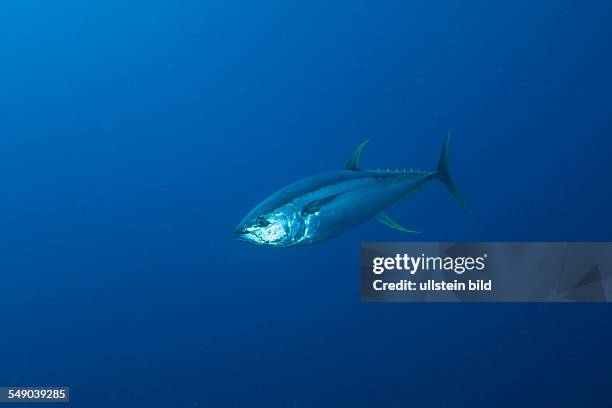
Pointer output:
x,y
385,219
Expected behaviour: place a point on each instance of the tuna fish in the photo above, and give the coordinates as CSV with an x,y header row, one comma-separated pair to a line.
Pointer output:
x,y
323,206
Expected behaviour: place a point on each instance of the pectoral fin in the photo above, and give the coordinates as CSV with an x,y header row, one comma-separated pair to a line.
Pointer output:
x,y
385,219
314,206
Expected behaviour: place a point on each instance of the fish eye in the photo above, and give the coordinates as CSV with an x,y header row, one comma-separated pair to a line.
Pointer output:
x,y
261,222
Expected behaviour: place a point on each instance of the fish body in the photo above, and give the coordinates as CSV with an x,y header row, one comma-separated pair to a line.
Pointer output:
x,y
323,206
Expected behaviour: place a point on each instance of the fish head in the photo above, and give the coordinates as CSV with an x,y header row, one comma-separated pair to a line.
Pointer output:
x,y
279,227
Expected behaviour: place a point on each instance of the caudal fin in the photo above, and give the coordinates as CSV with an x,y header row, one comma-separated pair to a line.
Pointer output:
x,y
444,175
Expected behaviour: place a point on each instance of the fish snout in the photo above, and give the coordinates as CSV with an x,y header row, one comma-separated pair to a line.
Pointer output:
x,y
240,230
241,233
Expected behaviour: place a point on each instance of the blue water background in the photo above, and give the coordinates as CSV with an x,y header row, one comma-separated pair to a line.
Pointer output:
x,y
134,135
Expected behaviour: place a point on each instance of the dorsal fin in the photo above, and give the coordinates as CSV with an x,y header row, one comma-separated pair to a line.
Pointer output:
x,y
353,163
385,219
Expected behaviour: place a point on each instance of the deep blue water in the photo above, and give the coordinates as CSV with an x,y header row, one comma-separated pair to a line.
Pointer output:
x,y
134,135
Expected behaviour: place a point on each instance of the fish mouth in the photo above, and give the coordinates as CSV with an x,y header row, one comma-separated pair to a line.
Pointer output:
x,y
248,236
242,234
240,231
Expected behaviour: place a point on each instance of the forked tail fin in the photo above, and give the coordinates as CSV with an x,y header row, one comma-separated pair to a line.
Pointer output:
x,y
444,175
